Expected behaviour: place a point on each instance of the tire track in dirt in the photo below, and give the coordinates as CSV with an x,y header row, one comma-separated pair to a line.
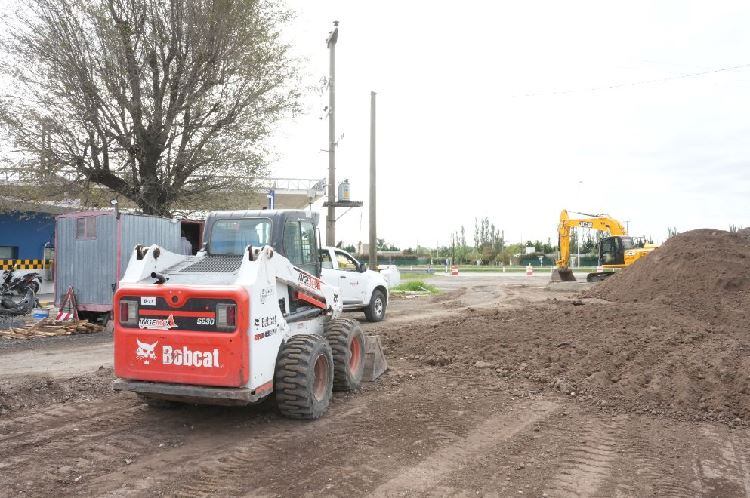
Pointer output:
x,y
724,471
85,447
740,446
491,432
215,461
654,476
60,426
589,464
646,470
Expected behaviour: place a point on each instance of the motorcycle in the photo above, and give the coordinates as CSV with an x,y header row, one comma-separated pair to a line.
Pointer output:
x,y
18,285
12,307
24,287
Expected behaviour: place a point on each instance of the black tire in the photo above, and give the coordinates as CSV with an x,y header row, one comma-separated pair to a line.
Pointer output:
x,y
347,343
159,404
304,377
375,311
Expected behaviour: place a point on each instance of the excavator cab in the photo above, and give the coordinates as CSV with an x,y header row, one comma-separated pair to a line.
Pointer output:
x,y
612,249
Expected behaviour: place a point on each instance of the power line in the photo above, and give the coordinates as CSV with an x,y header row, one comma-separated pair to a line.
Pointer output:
x,y
615,86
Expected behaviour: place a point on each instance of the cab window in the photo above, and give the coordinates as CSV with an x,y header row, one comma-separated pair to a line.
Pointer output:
x,y
300,245
346,262
232,236
309,247
609,250
292,243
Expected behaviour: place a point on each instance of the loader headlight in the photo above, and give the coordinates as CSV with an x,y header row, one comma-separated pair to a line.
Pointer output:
x,y
128,311
226,315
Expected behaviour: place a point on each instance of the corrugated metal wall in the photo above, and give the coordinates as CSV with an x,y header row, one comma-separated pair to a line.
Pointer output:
x,y
86,264
90,265
147,230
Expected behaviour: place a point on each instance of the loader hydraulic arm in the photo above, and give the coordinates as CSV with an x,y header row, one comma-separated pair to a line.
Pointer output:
x,y
600,223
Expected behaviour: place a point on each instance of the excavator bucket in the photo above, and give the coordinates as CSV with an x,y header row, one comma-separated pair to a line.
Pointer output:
x,y
562,275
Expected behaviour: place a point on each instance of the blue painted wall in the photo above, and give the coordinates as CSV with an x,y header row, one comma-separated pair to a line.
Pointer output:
x,y
28,231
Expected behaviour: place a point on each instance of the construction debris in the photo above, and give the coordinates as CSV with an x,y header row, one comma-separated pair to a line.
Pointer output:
x,y
50,328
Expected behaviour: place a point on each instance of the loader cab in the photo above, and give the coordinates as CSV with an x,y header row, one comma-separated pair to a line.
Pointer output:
x,y
612,249
292,233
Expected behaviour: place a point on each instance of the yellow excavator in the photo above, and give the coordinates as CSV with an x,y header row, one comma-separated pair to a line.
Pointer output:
x,y
617,250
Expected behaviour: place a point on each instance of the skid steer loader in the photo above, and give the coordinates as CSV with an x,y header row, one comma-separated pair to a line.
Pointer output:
x,y
244,318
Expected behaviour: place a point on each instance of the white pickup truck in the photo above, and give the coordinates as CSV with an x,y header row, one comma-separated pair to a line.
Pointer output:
x,y
361,289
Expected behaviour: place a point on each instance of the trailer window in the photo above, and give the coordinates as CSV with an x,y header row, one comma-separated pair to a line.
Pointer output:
x,y
86,227
231,237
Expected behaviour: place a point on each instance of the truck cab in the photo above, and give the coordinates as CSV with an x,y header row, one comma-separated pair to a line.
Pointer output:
x,y
361,289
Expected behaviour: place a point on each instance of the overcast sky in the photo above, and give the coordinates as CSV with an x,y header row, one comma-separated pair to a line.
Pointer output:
x,y
515,110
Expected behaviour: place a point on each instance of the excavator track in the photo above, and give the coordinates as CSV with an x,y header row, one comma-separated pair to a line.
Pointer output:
x,y
599,276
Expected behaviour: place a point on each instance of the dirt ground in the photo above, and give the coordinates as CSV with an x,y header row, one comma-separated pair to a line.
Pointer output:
x,y
497,386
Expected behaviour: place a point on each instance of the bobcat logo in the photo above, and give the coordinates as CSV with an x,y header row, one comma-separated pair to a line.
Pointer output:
x,y
145,351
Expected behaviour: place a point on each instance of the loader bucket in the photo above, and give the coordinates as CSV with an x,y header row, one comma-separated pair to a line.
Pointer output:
x,y
562,275
375,362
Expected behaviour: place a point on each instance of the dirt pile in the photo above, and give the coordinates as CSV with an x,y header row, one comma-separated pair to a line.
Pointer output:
x,y
29,392
704,273
621,357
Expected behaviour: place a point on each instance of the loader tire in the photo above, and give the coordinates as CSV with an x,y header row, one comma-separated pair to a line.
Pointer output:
x,y
304,377
347,343
375,311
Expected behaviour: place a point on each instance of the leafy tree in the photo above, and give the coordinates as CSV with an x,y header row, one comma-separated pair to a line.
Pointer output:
x,y
382,245
160,101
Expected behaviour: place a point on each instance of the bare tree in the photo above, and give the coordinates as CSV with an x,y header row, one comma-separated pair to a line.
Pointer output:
x,y
160,101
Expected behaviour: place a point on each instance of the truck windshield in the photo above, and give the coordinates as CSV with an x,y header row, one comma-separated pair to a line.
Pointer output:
x,y
230,237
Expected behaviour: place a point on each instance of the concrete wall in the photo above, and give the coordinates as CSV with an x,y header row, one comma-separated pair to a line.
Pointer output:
x,y
28,231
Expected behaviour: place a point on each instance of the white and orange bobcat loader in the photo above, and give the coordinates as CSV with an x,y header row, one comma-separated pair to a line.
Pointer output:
x,y
245,317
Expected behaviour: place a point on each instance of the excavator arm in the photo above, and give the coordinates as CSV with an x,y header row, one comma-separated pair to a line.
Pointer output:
x,y
599,223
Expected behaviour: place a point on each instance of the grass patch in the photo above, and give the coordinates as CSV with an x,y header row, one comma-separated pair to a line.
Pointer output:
x,y
415,286
415,275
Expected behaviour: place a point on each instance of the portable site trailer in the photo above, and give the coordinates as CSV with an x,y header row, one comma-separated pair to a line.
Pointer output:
x,y
93,249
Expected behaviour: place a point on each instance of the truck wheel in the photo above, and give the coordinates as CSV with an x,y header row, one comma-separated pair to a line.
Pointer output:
x,y
348,346
304,377
375,311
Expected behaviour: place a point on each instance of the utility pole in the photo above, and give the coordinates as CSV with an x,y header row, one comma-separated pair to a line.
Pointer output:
x,y
332,203
331,217
373,232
